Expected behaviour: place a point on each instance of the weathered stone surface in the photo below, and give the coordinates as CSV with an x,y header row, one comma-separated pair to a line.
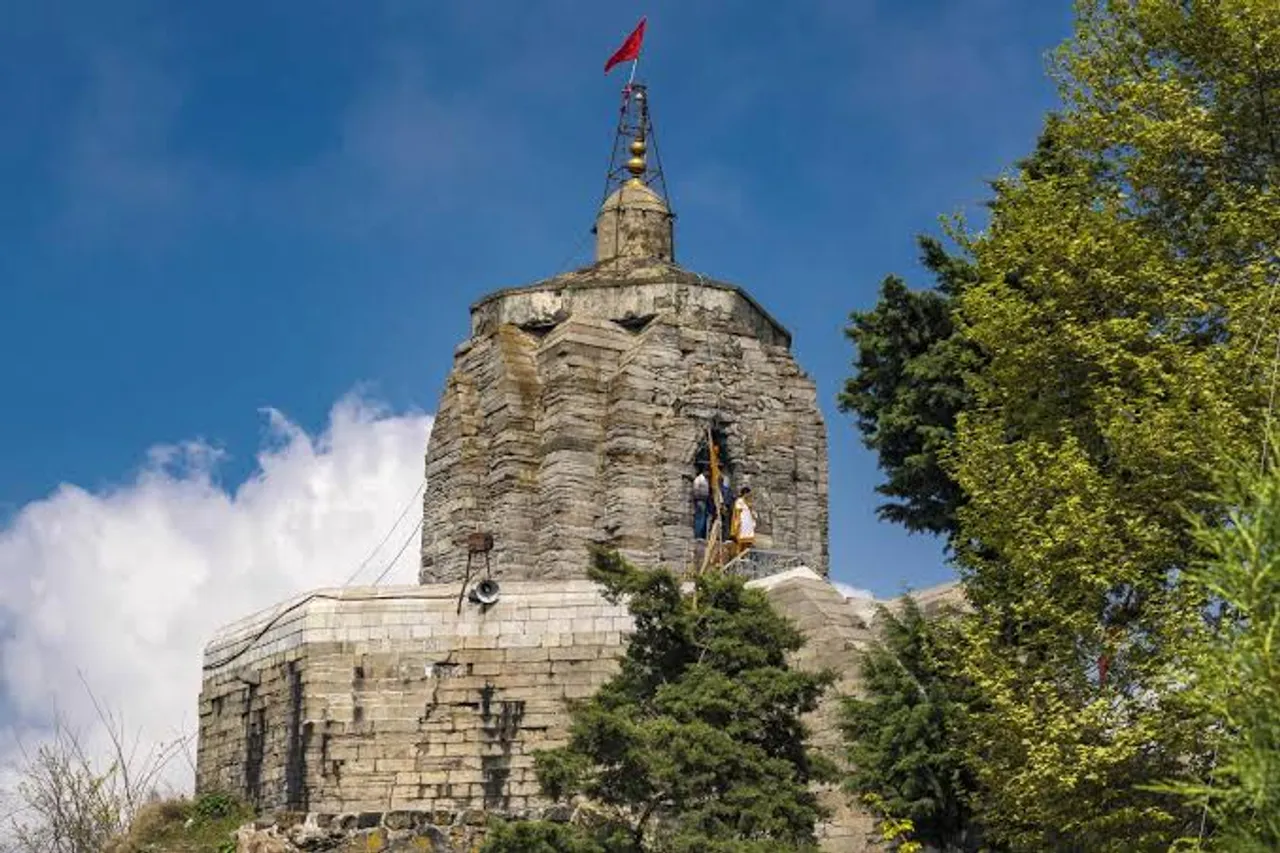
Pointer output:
x,y
393,832
374,707
634,222
835,635
395,698
574,414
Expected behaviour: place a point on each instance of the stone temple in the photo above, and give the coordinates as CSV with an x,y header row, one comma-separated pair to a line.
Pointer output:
x,y
576,413
578,408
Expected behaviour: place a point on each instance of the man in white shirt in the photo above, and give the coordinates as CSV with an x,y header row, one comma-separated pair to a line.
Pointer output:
x,y
701,504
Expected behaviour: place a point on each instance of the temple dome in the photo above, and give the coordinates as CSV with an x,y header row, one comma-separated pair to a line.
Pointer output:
x,y
634,222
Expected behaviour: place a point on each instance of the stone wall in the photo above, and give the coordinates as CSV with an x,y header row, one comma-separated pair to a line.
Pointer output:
x,y
385,700
574,413
835,635
622,290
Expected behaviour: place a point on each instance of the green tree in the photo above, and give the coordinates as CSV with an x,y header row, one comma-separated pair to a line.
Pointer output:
x,y
1120,309
542,837
697,743
908,385
1237,676
906,731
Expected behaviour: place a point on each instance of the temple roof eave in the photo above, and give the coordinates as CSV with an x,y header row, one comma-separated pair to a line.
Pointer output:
x,y
622,273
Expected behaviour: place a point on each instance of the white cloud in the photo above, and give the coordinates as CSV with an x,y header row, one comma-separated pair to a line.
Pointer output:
x,y
127,585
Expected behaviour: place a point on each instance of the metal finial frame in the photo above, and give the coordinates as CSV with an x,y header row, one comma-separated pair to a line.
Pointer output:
x,y
635,125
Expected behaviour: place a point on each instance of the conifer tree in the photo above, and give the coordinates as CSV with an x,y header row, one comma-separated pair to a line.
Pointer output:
x,y
908,385
697,743
906,730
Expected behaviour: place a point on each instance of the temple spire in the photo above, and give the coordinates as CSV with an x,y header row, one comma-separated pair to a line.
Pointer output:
x,y
635,220
635,137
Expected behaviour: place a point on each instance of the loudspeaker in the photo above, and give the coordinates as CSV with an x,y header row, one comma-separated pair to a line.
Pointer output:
x,y
485,592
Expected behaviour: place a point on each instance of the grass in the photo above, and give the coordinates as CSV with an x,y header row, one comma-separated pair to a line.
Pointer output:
x,y
203,825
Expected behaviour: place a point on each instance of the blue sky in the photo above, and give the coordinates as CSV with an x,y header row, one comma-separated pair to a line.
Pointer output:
x,y
213,208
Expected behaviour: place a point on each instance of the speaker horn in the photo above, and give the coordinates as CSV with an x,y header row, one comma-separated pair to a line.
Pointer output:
x,y
485,592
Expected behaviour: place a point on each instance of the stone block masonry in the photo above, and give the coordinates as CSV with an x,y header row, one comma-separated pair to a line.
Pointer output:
x,y
578,407
384,700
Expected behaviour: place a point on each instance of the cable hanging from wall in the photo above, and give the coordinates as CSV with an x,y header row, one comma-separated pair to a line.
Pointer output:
x,y
270,623
386,536
392,562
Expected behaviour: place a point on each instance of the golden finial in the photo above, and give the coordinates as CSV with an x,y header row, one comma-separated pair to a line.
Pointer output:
x,y
636,165
629,164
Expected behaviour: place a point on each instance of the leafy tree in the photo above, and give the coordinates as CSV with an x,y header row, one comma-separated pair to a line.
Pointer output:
x,y
696,744
1120,306
1114,335
905,733
907,387
908,383
1237,676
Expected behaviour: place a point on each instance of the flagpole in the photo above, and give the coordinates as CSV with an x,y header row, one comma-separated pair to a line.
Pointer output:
x,y
626,90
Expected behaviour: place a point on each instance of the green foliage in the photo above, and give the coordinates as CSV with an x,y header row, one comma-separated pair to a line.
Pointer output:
x,y
905,737
908,386
215,806
1058,404
696,744
909,378
206,824
1120,304
1237,676
895,832
539,837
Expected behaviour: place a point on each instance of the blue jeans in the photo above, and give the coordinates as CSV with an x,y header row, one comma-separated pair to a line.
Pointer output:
x,y
701,514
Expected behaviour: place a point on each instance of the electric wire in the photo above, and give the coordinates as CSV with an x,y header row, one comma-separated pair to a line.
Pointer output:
x,y
405,544
1266,314
307,599
387,536
1253,350
565,264
274,620
1271,401
1262,460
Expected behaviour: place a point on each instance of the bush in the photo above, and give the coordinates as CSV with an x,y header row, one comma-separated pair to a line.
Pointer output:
x,y
67,800
204,825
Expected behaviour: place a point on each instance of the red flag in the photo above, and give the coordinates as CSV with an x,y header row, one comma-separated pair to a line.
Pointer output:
x,y
630,48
